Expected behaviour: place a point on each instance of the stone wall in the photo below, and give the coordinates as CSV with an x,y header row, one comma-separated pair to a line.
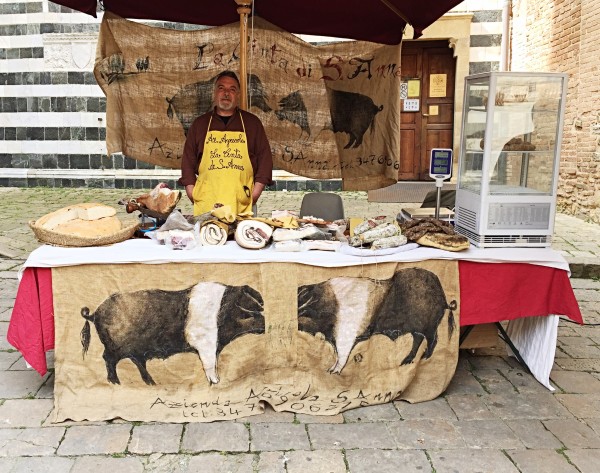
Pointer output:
x,y
564,36
486,33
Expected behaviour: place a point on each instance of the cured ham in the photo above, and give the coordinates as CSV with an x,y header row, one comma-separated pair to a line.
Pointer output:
x,y
161,199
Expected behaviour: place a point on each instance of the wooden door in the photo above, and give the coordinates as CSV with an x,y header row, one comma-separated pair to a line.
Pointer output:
x,y
429,68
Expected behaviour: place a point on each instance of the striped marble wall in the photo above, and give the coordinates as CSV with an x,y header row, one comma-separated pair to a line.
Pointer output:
x,y
486,33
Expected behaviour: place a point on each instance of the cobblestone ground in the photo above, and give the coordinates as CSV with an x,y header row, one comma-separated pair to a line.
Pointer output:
x,y
492,418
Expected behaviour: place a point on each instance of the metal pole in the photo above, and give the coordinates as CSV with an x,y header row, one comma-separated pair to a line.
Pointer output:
x,y
505,45
244,9
438,197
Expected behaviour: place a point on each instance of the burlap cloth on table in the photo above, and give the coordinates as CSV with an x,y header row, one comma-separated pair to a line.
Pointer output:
x,y
219,340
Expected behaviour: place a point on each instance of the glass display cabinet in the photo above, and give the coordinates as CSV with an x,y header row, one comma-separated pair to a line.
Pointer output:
x,y
509,157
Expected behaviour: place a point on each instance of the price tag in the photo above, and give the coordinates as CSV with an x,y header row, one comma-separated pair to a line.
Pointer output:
x,y
440,165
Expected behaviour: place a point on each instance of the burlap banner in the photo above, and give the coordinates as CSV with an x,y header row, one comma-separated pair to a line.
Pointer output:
x,y
331,111
204,342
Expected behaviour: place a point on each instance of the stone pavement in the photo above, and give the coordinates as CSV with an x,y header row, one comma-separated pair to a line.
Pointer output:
x,y
492,418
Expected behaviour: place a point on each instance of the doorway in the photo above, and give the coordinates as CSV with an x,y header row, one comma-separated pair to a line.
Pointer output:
x,y
428,69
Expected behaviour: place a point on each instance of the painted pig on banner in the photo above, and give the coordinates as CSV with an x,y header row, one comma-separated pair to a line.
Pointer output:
x,y
149,324
348,310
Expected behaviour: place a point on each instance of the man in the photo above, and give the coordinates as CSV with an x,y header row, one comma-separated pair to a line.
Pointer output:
x,y
227,157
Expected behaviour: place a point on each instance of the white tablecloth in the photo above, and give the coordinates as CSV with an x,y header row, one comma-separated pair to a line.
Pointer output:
x,y
149,252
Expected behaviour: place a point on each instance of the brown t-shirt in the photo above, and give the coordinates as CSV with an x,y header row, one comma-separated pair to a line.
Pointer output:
x,y
258,145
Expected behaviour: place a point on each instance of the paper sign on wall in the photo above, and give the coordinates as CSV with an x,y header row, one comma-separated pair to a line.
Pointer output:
x,y
437,85
414,88
410,105
434,110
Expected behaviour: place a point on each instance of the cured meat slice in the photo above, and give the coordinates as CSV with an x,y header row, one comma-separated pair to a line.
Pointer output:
x,y
252,234
212,234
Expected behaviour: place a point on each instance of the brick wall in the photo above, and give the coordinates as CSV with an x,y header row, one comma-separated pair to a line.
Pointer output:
x,y
564,36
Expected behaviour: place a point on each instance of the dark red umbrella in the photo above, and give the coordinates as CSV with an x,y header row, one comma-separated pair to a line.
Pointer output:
x,y
379,21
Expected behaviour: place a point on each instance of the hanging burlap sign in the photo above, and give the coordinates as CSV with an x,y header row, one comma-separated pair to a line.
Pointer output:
x,y
204,342
331,111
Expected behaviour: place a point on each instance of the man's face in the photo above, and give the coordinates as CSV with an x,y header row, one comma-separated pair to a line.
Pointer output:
x,y
227,94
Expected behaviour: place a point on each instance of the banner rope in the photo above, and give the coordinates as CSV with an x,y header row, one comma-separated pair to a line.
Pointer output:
x,y
251,57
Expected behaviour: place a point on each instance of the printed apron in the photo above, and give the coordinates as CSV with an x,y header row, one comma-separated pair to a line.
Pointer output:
x,y
225,173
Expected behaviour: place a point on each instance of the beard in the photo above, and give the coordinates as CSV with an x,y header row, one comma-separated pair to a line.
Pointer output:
x,y
226,105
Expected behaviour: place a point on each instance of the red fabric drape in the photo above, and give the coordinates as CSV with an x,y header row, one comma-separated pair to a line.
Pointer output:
x,y
491,292
31,328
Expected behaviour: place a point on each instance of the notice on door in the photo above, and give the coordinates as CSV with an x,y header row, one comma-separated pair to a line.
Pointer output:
x,y
437,85
410,105
414,88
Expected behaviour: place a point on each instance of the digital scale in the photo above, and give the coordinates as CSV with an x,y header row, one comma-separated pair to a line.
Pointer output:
x,y
440,164
422,212
440,169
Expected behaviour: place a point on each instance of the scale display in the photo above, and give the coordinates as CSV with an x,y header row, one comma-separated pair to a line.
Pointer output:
x,y
440,165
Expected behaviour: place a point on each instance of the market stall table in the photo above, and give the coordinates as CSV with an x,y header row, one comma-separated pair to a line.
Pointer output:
x,y
490,285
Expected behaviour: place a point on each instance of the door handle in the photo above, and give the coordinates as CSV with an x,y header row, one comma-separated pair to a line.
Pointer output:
x,y
425,114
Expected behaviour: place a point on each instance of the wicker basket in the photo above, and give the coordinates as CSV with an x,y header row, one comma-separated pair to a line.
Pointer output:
x,y
59,239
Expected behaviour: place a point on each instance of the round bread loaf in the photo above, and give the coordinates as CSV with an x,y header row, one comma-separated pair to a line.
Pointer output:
x,y
89,228
84,212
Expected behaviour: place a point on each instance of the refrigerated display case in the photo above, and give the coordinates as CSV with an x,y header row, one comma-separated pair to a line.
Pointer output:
x,y
509,158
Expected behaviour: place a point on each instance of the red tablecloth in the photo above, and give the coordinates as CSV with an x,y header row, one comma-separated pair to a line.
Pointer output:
x,y
31,328
489,292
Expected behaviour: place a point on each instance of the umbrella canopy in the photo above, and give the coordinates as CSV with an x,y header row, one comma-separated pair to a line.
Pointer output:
x,y
379,21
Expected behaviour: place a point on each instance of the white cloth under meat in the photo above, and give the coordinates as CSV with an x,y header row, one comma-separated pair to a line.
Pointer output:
x,y
350,250
146,251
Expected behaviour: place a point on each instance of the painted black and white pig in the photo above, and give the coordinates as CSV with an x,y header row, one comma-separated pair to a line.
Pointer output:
x,y
195,99
348,310
340,309
352,113
153,323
